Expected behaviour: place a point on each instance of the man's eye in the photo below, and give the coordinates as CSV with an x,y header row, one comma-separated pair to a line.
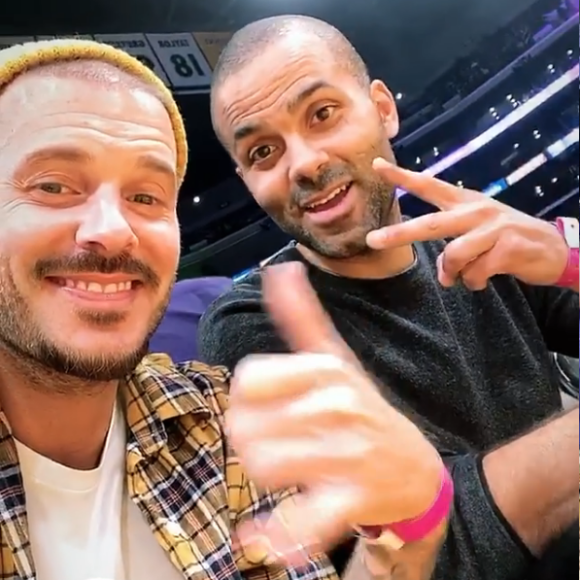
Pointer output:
x,y
324,113
261,153
144,199
53,188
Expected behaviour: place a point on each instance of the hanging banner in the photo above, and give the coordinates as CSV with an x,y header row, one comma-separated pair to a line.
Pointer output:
x,y
212,44
136,45
182,60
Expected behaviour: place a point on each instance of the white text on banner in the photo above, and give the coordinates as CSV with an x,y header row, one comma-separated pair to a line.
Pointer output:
x,y
182,60
212,44
136,45
8,41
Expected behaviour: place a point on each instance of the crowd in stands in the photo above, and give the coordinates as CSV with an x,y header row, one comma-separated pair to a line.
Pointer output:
x,y
493,55
529,79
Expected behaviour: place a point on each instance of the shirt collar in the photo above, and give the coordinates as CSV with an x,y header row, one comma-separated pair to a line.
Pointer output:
x,y
156,393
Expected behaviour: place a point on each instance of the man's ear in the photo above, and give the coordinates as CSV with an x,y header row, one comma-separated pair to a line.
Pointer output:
x,y
387,107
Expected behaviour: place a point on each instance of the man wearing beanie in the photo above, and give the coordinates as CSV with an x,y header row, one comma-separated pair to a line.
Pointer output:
x,y
113,464
102,478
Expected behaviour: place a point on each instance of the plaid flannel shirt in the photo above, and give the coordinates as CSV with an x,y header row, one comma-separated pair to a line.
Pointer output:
x,y
180,473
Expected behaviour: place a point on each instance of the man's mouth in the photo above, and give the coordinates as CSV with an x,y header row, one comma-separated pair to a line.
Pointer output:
x,y
333,199
96,286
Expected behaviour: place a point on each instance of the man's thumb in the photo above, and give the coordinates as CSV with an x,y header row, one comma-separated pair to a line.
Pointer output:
x,y
298,313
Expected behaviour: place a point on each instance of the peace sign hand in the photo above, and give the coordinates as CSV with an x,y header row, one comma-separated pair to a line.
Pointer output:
x,y
316,421
490,238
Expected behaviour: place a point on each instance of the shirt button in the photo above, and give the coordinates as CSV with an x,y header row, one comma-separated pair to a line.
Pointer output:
x,y
174,528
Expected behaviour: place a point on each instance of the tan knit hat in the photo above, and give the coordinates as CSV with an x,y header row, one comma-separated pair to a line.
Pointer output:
x,y
21,58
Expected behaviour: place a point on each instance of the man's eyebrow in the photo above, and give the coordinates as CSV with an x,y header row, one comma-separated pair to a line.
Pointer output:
x,y
157,165
306,93
57,153
247,130
244,131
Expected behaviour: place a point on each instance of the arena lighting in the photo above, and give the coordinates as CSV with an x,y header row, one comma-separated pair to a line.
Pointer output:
x,y
563,144
508,121
527,169
554,150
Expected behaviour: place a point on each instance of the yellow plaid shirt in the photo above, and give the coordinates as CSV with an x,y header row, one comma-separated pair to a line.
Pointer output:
x,y
180,473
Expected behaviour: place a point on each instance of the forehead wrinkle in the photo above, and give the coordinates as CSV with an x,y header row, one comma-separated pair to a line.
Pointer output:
x,y
248,98
25,128
69,112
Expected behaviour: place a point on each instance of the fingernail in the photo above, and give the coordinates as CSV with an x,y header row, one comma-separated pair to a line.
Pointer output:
x,y
381,162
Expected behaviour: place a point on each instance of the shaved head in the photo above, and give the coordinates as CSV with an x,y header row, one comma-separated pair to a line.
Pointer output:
x,y
103,74
255,39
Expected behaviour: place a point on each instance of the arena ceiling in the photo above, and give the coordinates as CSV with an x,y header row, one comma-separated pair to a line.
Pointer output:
x,y
406,42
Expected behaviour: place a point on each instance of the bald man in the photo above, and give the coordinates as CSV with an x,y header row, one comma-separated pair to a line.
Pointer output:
x,y
454,312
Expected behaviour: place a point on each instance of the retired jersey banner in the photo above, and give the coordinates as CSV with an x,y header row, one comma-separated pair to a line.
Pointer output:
x,y
212,44
183,60
136,45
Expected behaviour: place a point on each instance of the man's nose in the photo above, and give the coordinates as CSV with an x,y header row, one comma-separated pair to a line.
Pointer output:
x,y
306,160
104,225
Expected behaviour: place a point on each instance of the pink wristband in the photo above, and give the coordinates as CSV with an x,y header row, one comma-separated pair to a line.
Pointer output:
x,y
420,527
568,228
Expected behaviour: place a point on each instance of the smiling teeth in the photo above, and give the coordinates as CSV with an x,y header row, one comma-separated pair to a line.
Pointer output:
x,y
98,288
329,197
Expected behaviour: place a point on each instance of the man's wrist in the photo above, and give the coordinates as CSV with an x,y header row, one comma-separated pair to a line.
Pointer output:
x,y
414,561
395,535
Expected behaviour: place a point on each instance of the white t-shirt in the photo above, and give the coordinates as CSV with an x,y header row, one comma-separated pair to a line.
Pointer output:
x,y
83,525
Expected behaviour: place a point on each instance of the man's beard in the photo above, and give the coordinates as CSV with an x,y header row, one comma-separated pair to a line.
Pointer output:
x,y
380,199
24,341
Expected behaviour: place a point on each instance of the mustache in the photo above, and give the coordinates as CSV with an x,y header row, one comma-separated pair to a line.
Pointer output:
x,y
92,262
304,187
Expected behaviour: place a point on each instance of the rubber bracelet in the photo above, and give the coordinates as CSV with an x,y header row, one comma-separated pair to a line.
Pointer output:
x,y
420,527
569,229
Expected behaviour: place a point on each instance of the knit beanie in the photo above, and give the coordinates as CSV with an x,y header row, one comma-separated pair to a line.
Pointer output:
x,y
21,58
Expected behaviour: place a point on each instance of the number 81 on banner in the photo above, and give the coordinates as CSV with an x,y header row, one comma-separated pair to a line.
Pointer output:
x,y
182,61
